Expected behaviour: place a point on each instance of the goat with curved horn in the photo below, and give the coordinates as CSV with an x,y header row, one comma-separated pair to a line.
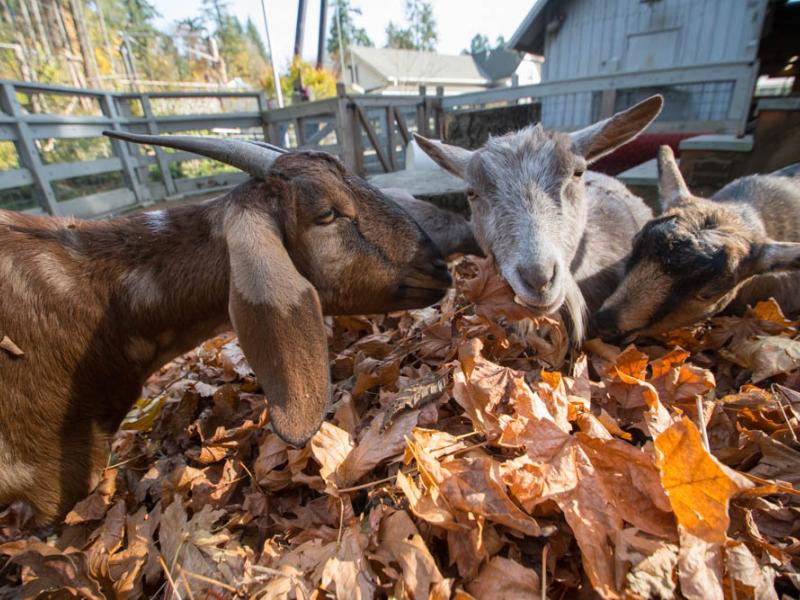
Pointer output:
x,y
97,306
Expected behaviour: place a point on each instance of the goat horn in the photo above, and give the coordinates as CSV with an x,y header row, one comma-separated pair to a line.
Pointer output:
x,y
269,146
251,158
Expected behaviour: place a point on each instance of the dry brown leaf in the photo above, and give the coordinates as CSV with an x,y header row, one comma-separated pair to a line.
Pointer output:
x,y
347,572
492,296
400,542
94,506
505,578
699,489
766,356
654,576
194,545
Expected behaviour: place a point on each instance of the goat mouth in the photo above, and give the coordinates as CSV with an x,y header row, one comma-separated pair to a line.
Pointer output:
x,y
439,280
544,309
424,294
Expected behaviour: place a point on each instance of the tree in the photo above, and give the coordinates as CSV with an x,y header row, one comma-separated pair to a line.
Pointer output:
x,y
351,34
421,32
480,43
398,37
255,39
422,24
320,83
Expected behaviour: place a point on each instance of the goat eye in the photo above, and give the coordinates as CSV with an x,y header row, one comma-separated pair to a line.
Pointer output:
x,y
471,195
326,218
578,173
704,296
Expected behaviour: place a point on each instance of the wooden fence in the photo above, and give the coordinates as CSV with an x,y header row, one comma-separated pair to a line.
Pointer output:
x,y
52,159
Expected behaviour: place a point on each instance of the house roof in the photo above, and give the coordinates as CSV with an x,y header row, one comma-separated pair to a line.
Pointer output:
x,y
410,66
529,36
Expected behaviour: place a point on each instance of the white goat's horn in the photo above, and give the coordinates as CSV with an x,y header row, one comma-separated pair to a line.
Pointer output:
x,y
252,158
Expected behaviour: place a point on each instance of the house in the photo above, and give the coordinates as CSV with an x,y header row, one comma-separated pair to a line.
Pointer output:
x,y
606,38
394,71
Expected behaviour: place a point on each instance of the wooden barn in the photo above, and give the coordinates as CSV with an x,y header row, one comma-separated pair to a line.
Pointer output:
x,y
600,38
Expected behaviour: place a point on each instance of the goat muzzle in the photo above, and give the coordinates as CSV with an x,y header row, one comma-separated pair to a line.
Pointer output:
x,y
427,282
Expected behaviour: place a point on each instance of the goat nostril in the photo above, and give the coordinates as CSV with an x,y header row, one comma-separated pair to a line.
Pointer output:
x,y
554,275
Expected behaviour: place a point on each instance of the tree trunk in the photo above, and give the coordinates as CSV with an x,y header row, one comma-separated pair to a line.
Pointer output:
x,y
87,50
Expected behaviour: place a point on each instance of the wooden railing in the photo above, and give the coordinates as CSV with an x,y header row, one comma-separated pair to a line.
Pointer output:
x,y
368,132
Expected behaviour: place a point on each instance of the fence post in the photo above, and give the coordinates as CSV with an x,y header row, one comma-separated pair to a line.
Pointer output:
x,y
390,142
161,157
27,151
120,148
438,117
346,128
263,109
422,112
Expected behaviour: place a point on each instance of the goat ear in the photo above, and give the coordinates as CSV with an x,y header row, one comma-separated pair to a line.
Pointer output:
x,y
277,314
451,158
671,185
595,141
775,256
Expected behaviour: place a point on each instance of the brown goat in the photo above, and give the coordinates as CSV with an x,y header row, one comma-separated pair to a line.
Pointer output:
x,y
703,256
96,306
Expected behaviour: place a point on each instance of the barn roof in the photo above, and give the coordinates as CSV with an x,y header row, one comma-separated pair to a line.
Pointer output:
x,y
529,36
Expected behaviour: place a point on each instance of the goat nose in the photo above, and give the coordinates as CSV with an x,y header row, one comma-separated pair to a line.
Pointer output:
x,y
538,277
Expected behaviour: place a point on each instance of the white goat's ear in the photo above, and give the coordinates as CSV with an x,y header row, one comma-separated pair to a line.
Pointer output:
x,y
451,158
775,256
277,314
671,185
595,141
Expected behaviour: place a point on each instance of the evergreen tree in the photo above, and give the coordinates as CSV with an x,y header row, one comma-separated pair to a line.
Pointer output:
x,y
479,43
421,32
399,37
351,34
255,39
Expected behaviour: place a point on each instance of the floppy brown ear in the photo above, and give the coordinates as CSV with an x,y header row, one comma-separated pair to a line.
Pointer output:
x,y
595,141
277,314
451,158
775,256
671,186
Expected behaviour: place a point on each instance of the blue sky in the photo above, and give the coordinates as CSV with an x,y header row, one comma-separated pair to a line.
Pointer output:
x,y
458,20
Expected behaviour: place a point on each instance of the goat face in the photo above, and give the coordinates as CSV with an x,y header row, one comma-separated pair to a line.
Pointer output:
x,y
688,264
362,252
529,204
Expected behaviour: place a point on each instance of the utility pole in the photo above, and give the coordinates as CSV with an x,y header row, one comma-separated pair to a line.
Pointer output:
x,y
300,29
341,45
275,76
323,21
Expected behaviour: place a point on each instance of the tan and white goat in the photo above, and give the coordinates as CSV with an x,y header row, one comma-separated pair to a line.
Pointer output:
x,y
702,256
96,306
558,232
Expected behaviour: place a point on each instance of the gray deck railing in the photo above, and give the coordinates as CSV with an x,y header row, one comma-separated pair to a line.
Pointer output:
x,y
368,132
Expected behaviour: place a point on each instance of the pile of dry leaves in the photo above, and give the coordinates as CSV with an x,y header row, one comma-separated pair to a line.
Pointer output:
x,y
469,455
